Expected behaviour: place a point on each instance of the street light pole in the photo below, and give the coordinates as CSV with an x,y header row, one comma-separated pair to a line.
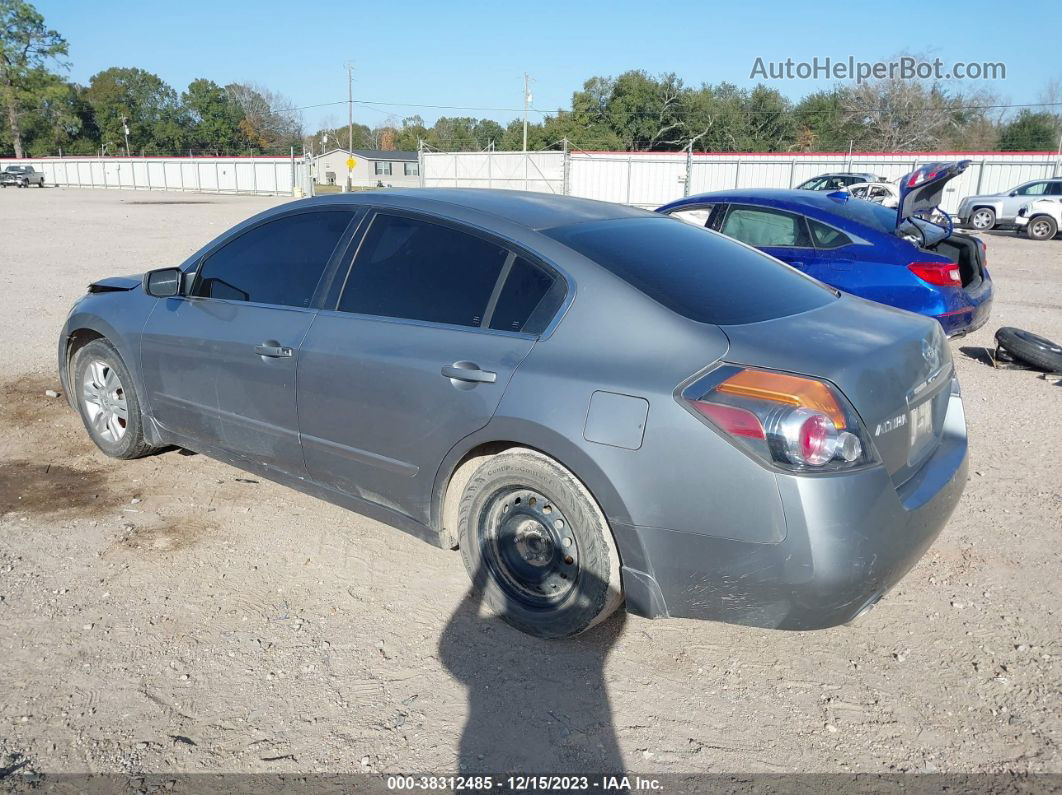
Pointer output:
x,y
526,98
125,129
350,119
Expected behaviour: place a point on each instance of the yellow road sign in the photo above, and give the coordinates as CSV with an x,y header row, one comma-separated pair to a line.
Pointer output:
x,y
351,163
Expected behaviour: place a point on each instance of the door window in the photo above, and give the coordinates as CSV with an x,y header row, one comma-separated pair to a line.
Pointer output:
x,y
279,262
763,227
698,216
528,299
1054,189
1032,189
414,269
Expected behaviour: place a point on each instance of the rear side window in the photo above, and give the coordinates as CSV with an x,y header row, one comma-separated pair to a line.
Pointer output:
x,y
826,236
761,226
528,299
414,269
279,262
694,272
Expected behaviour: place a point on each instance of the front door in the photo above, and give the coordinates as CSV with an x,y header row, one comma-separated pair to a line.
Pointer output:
x,y
432,323
220,363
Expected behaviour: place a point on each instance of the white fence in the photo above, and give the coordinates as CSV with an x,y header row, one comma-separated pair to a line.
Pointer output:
x,y
252,175
649,179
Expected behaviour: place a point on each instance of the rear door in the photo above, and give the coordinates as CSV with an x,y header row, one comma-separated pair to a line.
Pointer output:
x,y
220,363
432,321
776,232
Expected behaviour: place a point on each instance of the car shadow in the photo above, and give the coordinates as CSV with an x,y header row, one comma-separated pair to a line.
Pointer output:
x,y
534,705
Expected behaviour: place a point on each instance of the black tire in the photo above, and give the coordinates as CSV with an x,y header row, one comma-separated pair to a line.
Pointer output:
x,y
553,531
1041,227
130,442
982,219
1031,349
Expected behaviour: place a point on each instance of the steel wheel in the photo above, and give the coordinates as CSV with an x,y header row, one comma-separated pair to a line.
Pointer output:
x,y
983,219
105,402
529,548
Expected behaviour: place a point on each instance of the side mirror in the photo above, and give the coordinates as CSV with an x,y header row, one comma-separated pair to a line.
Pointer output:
x,y
163,283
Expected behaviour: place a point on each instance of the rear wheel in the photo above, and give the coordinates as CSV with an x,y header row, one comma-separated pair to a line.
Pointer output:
x,y
983,218
1041,227
537,547
107,401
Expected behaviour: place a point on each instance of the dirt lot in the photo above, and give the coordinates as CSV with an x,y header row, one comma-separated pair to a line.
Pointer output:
x,y
175,614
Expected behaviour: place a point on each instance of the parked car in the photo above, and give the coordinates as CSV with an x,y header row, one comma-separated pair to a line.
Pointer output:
x,y
21,176
884,193
1000,209
838,181
1040,219
894,256
593,402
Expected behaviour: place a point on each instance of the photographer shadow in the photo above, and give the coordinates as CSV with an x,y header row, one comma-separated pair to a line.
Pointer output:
x,y
535,706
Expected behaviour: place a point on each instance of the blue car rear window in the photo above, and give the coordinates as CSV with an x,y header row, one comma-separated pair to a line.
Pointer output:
x,y
694,272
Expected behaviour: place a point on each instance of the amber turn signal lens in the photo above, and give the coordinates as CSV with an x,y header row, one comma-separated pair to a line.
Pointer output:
x,y
789,390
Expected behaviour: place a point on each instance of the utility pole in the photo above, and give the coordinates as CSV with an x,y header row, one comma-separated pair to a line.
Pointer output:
x,y
350,118
125,129
527,98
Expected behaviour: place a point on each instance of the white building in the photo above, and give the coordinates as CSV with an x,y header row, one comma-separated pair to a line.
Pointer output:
x,y
372,168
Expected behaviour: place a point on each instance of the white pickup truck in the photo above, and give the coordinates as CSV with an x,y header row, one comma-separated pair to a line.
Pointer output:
x,y
1040,219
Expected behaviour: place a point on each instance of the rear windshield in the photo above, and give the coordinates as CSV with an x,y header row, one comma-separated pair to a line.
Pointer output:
x,y
697,273
882,219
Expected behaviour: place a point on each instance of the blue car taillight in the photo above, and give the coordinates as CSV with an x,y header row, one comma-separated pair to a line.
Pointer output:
x,y
794,422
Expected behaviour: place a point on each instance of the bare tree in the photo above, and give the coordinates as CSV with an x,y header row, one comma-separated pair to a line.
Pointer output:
x,y
270,121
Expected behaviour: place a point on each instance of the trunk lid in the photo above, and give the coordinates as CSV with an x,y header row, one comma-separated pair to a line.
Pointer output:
x,y
892,366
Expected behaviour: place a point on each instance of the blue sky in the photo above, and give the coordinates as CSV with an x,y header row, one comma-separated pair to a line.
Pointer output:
x,y
474,54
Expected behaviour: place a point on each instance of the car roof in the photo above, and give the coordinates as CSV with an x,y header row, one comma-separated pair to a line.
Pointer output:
x,y
533,210
816,199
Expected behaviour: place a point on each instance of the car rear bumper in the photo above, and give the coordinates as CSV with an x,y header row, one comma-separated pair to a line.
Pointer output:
x,y
849,539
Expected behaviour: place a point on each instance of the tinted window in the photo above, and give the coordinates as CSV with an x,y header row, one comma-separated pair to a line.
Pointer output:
x,y
523,304
759,226
695,272
279,262
1055,189
422,271
827,236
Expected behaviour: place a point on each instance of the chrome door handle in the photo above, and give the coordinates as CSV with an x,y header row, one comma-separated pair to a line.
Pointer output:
x,y
468,372
272,351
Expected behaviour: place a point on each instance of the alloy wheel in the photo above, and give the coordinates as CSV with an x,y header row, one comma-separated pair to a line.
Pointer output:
x,y
104,399
982,219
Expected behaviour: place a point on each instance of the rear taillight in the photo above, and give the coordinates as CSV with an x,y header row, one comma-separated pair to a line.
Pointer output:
x,y
941,274
791,421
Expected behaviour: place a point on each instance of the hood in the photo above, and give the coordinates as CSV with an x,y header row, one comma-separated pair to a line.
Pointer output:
x,y
920,191
116,283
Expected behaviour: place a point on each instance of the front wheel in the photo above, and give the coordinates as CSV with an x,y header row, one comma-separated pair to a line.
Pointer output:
x,y
1042,227
983,219
537,546
107,401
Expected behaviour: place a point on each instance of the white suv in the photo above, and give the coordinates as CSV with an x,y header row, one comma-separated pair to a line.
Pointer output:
x,y
1040,219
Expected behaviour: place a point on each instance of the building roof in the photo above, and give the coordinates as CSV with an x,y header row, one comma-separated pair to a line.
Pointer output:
x,y
375,154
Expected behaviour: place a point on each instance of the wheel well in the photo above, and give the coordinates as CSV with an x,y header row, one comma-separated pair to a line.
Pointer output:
x,y
459,478
79,339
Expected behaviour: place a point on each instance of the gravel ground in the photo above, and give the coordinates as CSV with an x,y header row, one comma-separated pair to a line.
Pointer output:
x,y
173,614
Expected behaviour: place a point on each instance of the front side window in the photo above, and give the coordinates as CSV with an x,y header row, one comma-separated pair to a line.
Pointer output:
x,y
279,262
763,227
383,169
411,169
1032,189
1054,189
418,270
698,215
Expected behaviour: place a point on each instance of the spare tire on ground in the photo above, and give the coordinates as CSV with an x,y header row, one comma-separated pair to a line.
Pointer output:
x,y
1030,348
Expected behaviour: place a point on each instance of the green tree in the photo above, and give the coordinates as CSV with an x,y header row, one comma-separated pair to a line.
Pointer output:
x,y
55,117
26,46
214,118
148,105
1029,132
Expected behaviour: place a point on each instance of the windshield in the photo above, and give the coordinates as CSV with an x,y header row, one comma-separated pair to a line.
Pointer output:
x,y
699,274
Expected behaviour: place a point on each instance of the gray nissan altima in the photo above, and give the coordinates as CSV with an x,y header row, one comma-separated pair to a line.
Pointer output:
x,y
594,403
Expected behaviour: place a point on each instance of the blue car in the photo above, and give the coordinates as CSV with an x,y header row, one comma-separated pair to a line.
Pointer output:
x,y
898,257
